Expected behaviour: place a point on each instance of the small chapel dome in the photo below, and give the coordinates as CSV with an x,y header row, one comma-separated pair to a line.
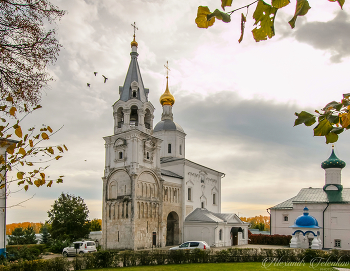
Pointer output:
x,y
306,220
167,98
333,161
167,125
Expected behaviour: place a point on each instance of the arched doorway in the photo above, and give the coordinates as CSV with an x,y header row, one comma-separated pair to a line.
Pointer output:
x,y
234,235
172,229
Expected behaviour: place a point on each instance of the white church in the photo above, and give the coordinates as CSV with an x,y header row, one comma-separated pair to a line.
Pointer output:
x,y
152,195
317,218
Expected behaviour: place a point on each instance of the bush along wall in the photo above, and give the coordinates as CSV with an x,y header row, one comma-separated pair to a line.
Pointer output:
x,y
264,239
110,259
24,252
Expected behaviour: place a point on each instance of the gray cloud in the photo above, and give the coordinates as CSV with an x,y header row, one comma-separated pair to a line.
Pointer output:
x,y
332,36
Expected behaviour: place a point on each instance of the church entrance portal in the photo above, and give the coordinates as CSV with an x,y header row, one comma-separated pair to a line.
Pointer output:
x,y
234,235
172,229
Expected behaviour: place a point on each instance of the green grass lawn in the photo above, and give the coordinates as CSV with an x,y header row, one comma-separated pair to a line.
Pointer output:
x,y
224,267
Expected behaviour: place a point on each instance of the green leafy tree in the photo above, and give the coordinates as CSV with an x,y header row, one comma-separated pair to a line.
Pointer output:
x,y
264,16
45,236
22,236
17,237
95,225
331,120
69,218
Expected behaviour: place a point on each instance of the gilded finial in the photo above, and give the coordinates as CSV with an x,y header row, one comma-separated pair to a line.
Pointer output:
x,y
134,43
167,98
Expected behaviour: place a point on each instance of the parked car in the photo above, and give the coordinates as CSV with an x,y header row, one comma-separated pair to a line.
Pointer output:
x,y
82,247
192,245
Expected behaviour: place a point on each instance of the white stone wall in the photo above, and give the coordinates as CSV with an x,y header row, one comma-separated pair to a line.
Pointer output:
x,y
336,217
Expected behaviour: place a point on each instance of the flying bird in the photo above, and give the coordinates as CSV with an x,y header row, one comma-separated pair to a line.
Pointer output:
x,y
95,73
88,84
105,78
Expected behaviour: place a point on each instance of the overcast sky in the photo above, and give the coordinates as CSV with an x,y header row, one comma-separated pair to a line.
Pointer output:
x,y
236,102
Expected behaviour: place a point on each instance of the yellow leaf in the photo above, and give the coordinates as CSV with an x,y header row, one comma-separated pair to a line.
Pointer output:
x,y
29,163
50,183
31,143
50,150
42,175
301,9
18,132
37,182
345,119
58,157
9,98
264,16
49,128
22,151
13,111
20,175
59,181
60,148
44,136
226,3
280,3
26,187
65,147
243,20
202,19
10,149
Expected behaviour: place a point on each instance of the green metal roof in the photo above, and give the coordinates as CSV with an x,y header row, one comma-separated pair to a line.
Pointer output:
x,y
316,195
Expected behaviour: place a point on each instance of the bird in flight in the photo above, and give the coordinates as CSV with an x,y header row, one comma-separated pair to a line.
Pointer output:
x,y
105,78
95,73
88,84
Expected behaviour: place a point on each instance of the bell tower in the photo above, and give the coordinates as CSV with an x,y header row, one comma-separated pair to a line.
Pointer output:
x,y
132,183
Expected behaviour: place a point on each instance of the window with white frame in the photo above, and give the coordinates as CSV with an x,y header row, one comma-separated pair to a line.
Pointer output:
x,y
285,218
202,204
337,243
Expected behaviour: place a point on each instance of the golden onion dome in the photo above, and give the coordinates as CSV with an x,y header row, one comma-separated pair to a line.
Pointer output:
x,y
134,43
167,98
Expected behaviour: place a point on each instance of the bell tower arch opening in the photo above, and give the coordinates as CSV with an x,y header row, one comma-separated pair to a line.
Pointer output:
x,y
173,230
134,117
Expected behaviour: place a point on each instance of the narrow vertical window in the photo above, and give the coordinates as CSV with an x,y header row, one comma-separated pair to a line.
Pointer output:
x,y
120,155
189,196
127,210
180,150
147,226
169,148
214,198
147,155
202,204
125,190
118,236
220,234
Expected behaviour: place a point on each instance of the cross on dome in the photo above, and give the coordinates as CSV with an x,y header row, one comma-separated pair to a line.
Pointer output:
x,y
134,43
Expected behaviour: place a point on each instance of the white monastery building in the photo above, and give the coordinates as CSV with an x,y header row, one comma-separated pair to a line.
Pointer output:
x,y
152,194
326,219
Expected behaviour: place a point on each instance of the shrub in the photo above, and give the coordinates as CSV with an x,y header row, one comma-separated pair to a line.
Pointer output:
x,y
264,239
58,245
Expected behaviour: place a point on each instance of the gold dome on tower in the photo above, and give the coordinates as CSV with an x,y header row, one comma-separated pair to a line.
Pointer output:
x,y
134,42
167,98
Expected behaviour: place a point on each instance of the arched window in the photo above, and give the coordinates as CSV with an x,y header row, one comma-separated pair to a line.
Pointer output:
x,y
134,117
120,155
148,118
120,117
220,234
147,155
169,148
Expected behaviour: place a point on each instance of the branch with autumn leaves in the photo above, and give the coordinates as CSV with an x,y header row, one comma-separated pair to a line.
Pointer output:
x,y
332,120
264,16
23,149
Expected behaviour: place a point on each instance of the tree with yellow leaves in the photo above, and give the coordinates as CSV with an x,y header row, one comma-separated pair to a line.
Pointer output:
x,y
27,46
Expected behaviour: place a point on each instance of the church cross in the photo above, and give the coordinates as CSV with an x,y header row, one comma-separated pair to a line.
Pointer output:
x,y
135,28
167,69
